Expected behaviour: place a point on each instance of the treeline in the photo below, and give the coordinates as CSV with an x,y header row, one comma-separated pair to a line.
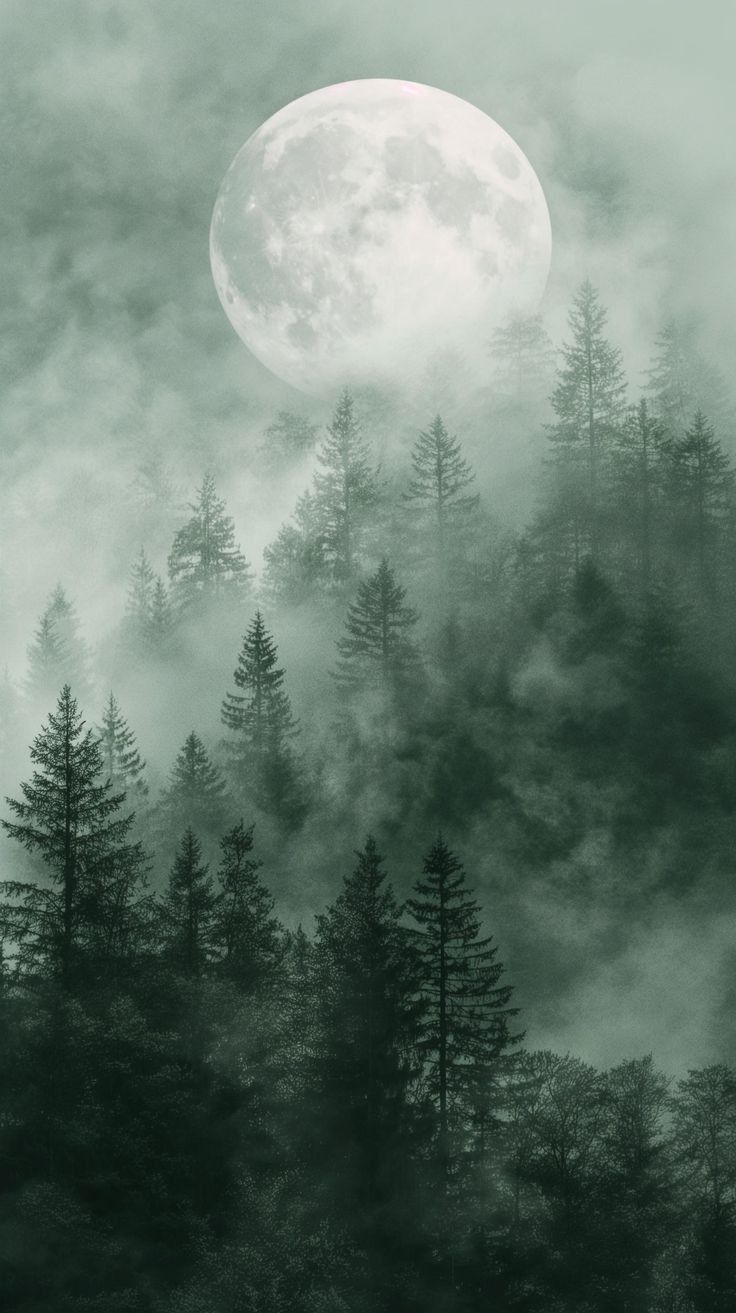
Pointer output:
x,y
205,1110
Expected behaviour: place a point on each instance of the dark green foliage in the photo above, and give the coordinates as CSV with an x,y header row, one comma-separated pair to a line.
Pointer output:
x,y
376,652
86,919
196,793
187,911
261,725
700,489
465,1032
206,566
246,936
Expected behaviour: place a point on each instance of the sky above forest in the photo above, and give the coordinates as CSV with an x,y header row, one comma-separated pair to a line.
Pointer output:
x,y
119,121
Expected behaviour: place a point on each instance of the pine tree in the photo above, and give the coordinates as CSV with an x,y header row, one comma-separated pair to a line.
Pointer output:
x,y
466,1031
139,602
187,911
246,935
260,720
85,915
681,381
345,492
295,562
524,358
376,651
440,477
368,1011
699,482
638,489
205,562
161,621
58,654
122,763
588,403
196,793
287,437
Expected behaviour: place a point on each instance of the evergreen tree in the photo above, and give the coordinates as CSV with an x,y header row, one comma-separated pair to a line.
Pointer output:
x,y
139,602
287,437
437,488
161,621
246,935
122,763
58,654
205,562
376,651
638,491
466,1031
368,1009
704,1131
196,793
188,910
524,358
85,915
681,381
295,562
345,492
588,403
260,720
700,488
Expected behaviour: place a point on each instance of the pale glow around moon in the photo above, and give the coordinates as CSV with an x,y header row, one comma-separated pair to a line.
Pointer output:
x,y
370,225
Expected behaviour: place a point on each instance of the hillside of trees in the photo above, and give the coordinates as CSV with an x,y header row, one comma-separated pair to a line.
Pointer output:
x,y
274,931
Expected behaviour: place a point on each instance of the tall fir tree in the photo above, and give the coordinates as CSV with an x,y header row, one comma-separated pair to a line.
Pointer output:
x,y
523,356
295,562
122,762
637,485
84,918
206,565
466,1030
345,493
437,489
681,381
139,601
376,651
58,654
368,1010
261,723
187,911
246,935
588,404
699,483
196,794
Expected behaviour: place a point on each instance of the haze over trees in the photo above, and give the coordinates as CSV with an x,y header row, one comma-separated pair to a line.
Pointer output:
x,y
287,915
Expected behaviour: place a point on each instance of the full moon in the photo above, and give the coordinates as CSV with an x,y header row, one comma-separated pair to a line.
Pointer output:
x,y
370,226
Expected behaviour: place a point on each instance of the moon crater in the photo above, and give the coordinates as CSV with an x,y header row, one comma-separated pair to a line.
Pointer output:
x,y
366,226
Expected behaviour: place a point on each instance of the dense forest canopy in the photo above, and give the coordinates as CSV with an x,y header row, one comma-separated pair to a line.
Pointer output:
x,y
310,862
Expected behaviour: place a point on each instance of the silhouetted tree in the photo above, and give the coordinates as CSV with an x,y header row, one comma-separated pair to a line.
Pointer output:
x,y
121,761
376,651
345,492
700,489
84,917
588,404
466,1029
196,793
205,563
187,910
437,488
261,724
246,935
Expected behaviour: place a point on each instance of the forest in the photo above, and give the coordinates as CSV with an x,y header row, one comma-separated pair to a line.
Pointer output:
x,y
270,1001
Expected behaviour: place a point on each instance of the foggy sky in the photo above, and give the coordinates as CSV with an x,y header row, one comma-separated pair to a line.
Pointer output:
x,y
118,122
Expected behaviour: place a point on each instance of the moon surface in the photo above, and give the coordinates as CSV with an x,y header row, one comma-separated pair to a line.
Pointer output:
x,y
369,226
